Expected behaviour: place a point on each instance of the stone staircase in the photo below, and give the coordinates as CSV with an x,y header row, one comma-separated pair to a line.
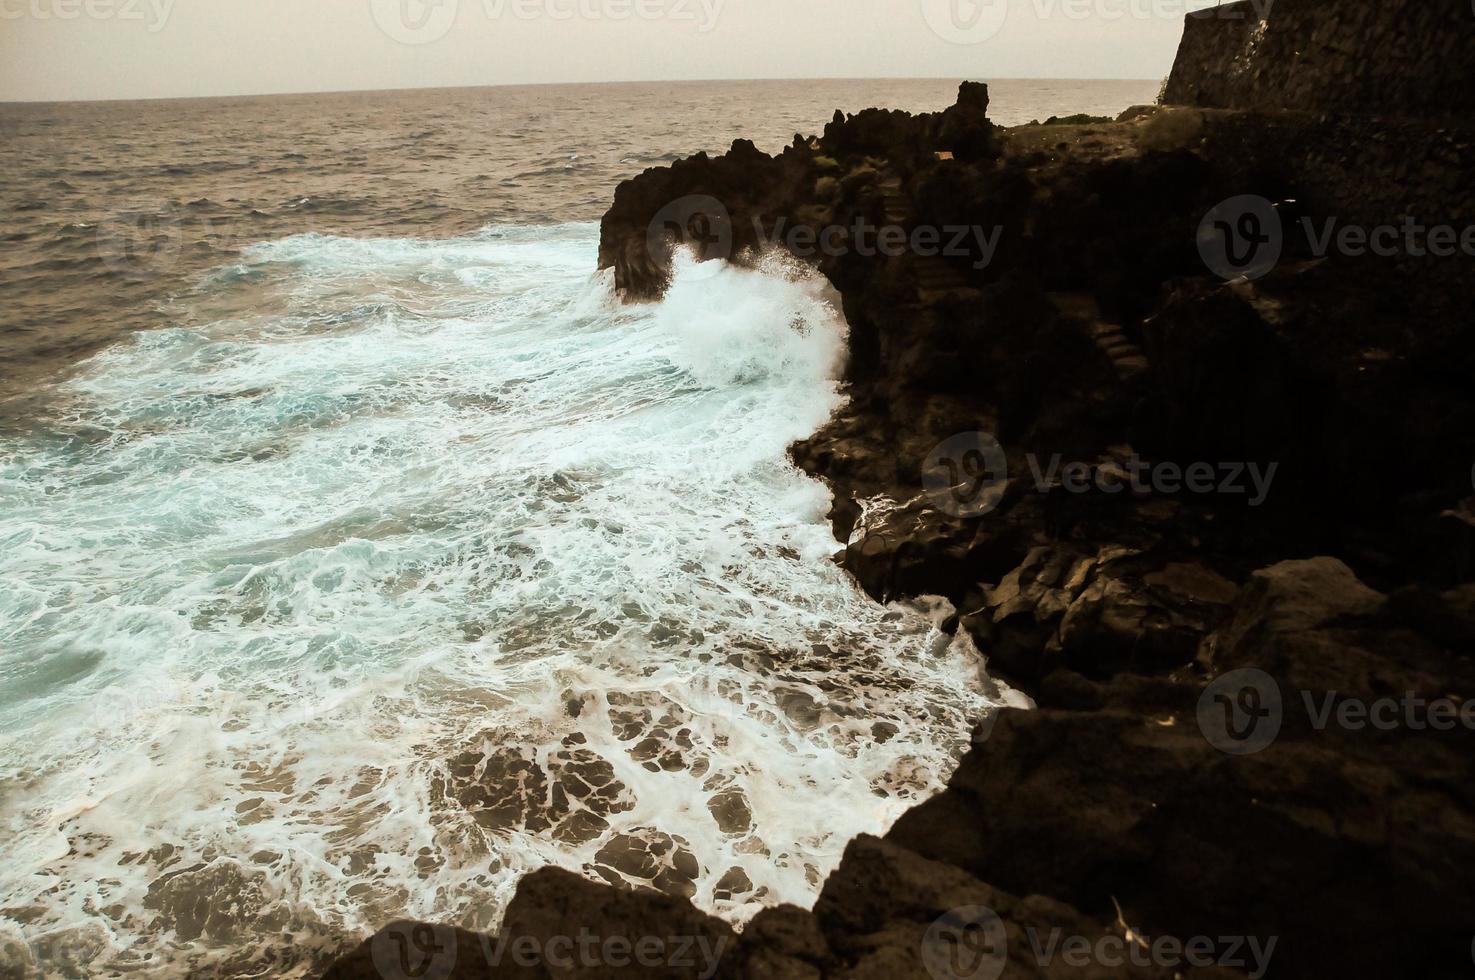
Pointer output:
x,y
898,207
1128,359
936,277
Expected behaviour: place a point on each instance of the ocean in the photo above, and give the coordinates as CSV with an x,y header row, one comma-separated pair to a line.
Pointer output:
x,y
361,552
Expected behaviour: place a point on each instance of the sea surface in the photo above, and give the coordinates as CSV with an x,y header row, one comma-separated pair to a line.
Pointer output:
x,y
360,552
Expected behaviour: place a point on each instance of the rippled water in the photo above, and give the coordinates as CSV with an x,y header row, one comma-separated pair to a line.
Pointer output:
x,y
396,558
109,212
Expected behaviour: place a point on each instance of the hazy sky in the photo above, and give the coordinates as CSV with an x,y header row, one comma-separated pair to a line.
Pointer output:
x,y
97,49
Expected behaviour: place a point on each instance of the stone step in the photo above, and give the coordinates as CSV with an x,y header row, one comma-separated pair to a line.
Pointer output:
x,y
1128,359
1132,367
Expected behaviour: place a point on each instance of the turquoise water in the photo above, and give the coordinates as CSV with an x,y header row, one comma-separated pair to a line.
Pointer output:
x,y
410,566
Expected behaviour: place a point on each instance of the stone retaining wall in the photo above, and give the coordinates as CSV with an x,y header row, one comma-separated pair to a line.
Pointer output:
x,y
1390,57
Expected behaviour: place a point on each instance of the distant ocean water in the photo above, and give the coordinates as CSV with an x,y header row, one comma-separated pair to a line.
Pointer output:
x,y
359,552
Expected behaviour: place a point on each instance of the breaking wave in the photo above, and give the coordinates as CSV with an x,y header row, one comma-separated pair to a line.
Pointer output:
x,y
396,569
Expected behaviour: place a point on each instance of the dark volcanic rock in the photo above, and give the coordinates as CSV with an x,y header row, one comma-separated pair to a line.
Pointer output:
x,y
559,925
888,912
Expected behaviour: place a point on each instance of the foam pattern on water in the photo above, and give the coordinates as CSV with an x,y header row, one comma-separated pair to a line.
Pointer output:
x,y
400,568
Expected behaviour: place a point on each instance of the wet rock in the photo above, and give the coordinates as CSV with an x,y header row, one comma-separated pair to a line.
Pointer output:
x,y
730,810
69,952
652,858
16,957
890,912
506,789
212,902
558,925
1298,595
733,884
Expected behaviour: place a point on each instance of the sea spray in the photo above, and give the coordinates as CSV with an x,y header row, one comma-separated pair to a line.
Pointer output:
x,y
396,568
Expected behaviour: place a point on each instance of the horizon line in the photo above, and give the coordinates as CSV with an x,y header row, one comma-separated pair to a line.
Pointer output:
x,y
632,81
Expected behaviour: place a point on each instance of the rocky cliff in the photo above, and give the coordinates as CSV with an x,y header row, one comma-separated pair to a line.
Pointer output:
x,y
1194,463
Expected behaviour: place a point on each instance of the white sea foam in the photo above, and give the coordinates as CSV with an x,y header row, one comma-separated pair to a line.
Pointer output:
x,y
400,568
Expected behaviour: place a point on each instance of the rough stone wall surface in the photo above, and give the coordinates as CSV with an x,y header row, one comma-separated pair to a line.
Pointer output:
x,y
1390,57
